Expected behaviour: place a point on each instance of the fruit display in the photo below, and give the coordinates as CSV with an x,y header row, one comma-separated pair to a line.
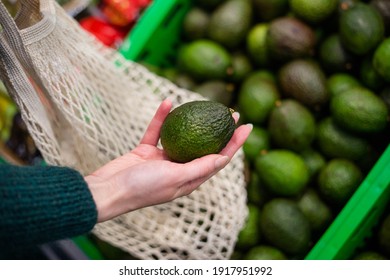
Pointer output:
x,y
313,79
377,246
111,20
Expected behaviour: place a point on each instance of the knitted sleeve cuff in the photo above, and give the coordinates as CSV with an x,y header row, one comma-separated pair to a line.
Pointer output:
x,y
42,204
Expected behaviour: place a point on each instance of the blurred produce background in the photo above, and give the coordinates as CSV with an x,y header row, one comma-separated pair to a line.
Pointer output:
x,y
313,78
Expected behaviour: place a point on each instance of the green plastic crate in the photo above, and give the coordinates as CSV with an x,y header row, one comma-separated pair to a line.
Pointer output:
x,y
358,217
155,40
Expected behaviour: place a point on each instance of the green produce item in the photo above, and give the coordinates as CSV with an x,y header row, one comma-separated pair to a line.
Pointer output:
x,y
250,234
204,59
170,73
313,11
381,59
383,7
304,81
384,234
290,38
338,180
257,193
256,98
265,75
317,212
361,28
256,42
195,24
284,226
369,255
336,142
265,252
291,125
216,90
283,172
340,82
195,129
267,10
314,161
334,57
184,80
359,110
181,79
242,67
369,76
8,109
230,22
257,141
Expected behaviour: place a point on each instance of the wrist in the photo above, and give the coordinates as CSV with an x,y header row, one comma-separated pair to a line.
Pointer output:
x,y
107,197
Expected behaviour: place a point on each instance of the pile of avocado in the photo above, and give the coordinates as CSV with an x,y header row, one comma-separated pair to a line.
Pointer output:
x,y
377,245
313,77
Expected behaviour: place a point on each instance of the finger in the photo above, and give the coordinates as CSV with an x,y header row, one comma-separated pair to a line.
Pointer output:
x,y
238,139
236,116
203,167
192,185
152,133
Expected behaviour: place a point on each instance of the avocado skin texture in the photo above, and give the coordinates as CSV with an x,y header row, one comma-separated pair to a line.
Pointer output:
x,y
196,129
230,22
291,125
204,59
361,29
285,226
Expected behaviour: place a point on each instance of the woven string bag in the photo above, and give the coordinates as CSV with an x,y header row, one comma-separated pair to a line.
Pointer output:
x,y
84,105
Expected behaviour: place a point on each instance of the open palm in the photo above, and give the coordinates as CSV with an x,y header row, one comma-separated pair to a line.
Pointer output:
x,y
145,176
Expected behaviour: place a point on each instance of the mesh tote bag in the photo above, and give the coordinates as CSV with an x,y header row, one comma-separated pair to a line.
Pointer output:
x,y
84,105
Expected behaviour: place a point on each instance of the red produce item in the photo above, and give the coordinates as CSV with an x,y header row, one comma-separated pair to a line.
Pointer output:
x,y
103,31
121,12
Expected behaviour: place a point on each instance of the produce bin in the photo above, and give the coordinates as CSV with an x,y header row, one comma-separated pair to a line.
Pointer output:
x,y
155,40
358,217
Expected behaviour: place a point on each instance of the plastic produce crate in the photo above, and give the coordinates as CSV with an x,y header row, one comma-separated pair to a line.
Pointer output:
x,y
358,217
155,40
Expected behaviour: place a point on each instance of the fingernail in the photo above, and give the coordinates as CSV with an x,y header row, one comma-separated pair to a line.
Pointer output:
x,y
167,100
236,115
250,126
221,162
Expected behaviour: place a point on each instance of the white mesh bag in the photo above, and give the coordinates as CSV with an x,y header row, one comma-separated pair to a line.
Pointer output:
x,y
84,105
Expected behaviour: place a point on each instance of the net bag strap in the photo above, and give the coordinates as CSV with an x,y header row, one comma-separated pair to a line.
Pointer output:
x,y
44,14
14,73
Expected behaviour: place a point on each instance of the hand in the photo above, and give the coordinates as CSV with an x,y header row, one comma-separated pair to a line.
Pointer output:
x,y
145,176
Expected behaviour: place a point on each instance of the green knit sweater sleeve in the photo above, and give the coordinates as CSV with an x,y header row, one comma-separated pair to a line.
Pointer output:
x,y
43,204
